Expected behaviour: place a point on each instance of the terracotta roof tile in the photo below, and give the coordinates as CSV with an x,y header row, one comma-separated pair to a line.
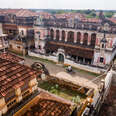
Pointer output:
x,y
13,74
70,15
91,20
18,12
45,15
48,105
26,13
113,20
11,57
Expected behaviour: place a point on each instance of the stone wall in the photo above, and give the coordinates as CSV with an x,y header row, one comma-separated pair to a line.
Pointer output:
x,y
109,107
69,85
68,62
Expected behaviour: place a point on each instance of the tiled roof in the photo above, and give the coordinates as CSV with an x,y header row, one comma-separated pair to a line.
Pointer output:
x,y
11,57
113,20
13,75
70,15
18,12
91,20
8,11
25,13
48,105
51,108
79,16
45,15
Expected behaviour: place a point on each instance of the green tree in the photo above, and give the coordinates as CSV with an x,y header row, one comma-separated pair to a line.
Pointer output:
x,y
109,14
76,99
93,14
87,11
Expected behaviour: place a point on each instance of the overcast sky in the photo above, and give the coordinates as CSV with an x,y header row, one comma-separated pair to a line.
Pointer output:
x,y
60,4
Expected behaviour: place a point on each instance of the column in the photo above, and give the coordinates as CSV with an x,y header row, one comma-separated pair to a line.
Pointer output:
x,y
54,34
84,60
66,36
82,36
89,39
77,59
60,32
36,40
75,37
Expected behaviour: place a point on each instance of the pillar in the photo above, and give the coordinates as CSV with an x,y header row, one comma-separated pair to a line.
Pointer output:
x,y
82,36
36,40
75,37
83,60
77,59
89,39
66,36
60,32
54,34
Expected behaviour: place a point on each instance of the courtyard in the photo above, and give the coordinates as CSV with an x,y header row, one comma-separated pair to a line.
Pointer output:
x,y
80,76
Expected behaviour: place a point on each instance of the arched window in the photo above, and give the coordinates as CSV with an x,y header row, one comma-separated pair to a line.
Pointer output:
x,y
78,37
63,35
52,34
85,39
57,34
93,39
70,36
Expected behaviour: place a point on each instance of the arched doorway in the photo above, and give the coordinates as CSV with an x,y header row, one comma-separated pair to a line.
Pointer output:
x,y
93,39
61,58
52,34
78,37
71,36
63,35
85,39
57,34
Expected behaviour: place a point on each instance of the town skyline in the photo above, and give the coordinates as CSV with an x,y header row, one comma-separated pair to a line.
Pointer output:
x,y
60,4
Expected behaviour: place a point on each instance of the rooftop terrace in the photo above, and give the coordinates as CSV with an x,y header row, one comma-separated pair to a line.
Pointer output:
x,y
46,104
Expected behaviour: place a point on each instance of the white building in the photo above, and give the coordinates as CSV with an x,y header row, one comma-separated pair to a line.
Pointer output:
x,y
3,39
104,53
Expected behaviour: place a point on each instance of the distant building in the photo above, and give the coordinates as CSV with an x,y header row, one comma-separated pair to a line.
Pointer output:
x,y
72,36
114,16
18,24
3,39
22,43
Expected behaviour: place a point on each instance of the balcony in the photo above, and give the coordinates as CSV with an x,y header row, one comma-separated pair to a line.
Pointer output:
x,y
20,105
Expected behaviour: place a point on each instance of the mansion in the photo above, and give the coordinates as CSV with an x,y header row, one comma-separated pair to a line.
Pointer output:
x,y
65,37
76,38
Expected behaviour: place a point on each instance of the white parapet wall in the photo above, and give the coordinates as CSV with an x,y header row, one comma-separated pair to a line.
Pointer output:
x,y
84,67
108,82
53,58
68,62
